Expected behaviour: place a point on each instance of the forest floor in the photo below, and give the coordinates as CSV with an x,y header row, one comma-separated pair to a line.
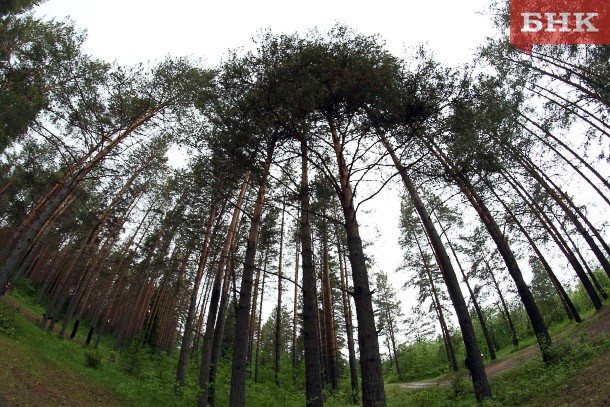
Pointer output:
x,y
29,377
590,388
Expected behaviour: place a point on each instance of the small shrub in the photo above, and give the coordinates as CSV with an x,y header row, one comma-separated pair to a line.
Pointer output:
x,y
134,358
93,359
7,319
112,357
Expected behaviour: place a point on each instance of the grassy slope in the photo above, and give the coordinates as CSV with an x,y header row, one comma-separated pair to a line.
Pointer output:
x,y
32,374
39,369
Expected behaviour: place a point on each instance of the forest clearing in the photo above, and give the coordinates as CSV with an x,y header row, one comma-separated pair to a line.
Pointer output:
x,y
192,234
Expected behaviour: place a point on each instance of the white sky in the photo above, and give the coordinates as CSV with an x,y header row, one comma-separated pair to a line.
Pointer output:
x,y
133,31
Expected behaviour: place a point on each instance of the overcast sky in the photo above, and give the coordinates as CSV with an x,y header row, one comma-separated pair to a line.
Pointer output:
x,y
133,31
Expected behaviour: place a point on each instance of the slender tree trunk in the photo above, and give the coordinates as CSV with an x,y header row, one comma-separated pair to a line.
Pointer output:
x,y
240,347
479,378
278,317
222,318
546,222
329,323
347,314
297,264
561,293
252,321
373,392
439,312
392,340
475,302
260,323
570,209
509,320
35,222
533,312
190,317
221,273
313,368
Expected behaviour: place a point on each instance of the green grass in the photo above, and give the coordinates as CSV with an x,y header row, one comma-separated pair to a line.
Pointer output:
x,y
139,377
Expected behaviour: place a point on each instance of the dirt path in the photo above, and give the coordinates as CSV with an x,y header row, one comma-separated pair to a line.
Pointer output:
x,y
598,324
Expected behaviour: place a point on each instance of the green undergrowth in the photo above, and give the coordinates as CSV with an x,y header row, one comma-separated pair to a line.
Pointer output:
x,y
537,380
141,377
529,382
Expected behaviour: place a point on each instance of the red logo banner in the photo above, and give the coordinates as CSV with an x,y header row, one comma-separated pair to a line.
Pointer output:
x,y
559,22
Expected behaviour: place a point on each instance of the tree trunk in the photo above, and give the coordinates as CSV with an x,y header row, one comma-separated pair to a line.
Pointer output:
x,y
190,316
373,392
222,318
509,320
252,321
546,222
570,209
260,322
278,318
481,386
297,264
438,307
35,222
561,293
313,368
221,273
475,303
533,312
329,323
240,347
347,314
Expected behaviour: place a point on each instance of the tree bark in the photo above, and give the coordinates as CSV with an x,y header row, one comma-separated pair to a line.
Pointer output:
x,y
190,316
479,378
509,320
313,368
221,273
347,314
373,392
237,396
329,323
278,317
260,321
546,222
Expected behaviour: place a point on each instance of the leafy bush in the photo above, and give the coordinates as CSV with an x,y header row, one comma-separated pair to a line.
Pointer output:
x,y
93,359
134,358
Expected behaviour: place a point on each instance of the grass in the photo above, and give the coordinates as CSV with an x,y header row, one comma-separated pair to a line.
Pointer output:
x,y
41,369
